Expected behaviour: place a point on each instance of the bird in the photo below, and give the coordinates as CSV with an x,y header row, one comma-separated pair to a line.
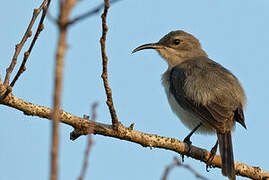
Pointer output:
x,y
205,96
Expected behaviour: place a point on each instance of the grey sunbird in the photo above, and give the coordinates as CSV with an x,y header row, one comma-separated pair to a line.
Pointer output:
x,y
205,96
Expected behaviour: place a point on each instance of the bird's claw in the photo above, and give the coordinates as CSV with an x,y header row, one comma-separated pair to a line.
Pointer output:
x,y
188,142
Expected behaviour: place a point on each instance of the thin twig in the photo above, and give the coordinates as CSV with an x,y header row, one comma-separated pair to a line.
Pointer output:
x,y
65,9
28,52
19,46
96,10
89,145
108,90
169,168
176,163
131,135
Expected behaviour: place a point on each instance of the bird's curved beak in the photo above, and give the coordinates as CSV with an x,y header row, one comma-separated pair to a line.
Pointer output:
x,y
148,46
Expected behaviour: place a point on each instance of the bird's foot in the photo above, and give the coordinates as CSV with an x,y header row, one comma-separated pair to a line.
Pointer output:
x,y
187,139
188,142
211,156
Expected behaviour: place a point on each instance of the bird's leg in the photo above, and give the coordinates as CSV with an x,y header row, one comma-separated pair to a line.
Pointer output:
x,y
212,155
187,139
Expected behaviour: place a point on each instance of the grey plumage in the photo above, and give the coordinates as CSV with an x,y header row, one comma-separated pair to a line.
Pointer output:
x,y
201,90
205,88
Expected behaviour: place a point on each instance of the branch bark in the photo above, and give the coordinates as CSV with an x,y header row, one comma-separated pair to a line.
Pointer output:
x,y
108,90
84,127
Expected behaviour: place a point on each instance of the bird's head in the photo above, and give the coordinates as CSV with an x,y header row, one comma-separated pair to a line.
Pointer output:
x,y
176,47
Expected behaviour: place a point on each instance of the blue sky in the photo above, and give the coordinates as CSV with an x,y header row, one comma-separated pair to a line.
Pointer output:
x,y
233,33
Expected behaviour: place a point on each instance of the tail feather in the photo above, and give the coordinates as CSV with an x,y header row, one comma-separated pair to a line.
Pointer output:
x,y
226,153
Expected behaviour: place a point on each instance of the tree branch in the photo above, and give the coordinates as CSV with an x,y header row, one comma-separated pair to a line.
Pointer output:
x,y
90,143
83,127
28,52
177,163
19,46
65,9
89,13
108,90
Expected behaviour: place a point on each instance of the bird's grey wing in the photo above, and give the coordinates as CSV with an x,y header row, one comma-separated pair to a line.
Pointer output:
x,y
215,113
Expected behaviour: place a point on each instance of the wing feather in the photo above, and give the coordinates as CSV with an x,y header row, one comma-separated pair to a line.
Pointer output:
x,y
220,112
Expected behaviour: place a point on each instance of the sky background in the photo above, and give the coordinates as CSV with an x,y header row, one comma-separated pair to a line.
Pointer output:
x,y
233,33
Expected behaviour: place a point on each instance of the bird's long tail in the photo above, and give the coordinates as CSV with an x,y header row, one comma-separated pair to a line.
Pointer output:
x,y
226,153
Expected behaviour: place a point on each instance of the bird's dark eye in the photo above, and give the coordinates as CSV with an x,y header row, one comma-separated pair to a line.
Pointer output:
x,y
176,41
